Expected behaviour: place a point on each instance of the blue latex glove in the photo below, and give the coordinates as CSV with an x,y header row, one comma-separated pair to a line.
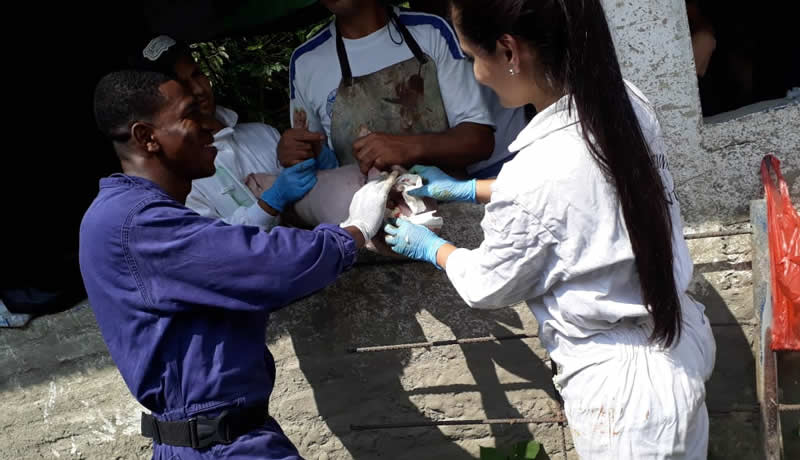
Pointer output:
x,y
442,187
326,158
291,185
412,240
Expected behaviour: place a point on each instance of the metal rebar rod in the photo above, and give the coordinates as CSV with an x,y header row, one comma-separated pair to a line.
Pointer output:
x,y
697,236
739,410
519,421
734,323
789,407
497,421
440,343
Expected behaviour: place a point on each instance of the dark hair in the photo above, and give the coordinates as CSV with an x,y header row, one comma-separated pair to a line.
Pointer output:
x,y
576,55
124,97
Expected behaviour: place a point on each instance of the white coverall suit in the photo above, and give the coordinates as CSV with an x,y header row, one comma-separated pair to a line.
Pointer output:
x,y
555,237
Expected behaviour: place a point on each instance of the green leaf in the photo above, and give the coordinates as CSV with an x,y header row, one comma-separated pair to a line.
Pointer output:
x,y
316,28
527,450
490,453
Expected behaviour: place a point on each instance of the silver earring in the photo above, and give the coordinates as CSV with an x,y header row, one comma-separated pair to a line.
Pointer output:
x,y
511,71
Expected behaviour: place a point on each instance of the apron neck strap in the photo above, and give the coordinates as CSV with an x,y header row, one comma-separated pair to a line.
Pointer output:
x,y
341,52
409,39
344,64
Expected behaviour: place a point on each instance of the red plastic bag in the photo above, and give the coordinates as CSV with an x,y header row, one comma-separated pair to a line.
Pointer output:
x,y
783,227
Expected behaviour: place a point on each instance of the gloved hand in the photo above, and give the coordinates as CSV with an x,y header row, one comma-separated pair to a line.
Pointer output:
x,y
412,240
326,158
442,187
369,205
291,185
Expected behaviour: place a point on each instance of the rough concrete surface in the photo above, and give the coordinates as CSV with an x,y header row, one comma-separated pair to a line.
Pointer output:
x,y
61,396
715,166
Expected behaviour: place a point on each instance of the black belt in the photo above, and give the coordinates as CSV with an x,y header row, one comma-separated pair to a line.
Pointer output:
x,y
201,432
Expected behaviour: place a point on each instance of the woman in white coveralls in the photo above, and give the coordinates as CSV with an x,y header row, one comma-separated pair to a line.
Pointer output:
x,y
584,225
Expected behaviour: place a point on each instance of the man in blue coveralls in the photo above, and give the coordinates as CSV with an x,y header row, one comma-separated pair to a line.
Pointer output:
x,y
183,300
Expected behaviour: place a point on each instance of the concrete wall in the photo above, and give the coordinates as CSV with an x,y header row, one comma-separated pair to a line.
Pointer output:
x,y
62,397
715,166
322,390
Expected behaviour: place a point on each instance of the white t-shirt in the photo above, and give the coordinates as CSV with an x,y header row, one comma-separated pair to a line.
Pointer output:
x,y
315,73
242,149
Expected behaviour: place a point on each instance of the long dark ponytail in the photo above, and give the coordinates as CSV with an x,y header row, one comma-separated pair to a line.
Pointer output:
x,y
576,55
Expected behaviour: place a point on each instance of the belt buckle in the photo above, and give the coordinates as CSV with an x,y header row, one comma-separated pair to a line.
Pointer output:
x,y
206,432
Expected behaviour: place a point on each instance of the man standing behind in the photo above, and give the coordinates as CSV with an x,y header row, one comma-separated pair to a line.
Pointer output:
x,y
387,87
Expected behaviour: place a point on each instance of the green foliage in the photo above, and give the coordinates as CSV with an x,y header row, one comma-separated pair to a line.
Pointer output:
x,y
251,74
521,451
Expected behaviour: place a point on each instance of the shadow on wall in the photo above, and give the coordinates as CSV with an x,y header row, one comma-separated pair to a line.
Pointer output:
x,y
380,304
731,391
